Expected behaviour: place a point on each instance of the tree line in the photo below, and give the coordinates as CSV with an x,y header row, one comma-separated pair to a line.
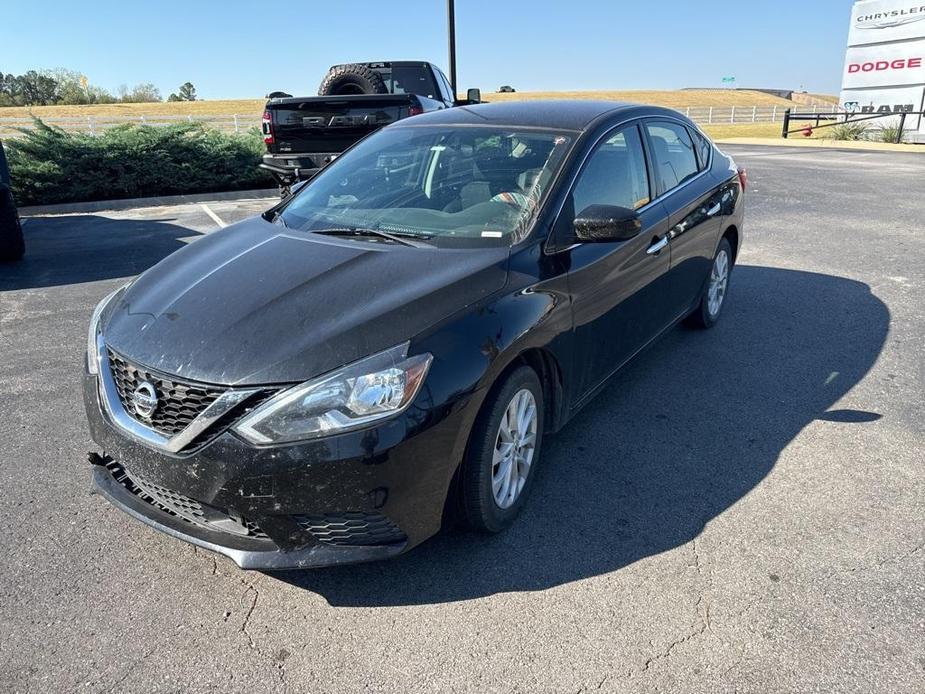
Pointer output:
x,y
68,87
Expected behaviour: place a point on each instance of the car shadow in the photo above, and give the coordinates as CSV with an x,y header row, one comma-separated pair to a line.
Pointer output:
x,y
69,249
682,434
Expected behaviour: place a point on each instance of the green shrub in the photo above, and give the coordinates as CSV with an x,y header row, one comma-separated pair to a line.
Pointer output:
x,y
849,131
49,165
889,133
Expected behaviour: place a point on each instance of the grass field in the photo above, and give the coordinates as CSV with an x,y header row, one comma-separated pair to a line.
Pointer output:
x,y
226,107
725,132
223,107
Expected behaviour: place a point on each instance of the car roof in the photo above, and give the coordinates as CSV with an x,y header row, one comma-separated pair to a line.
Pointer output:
x,y
555,114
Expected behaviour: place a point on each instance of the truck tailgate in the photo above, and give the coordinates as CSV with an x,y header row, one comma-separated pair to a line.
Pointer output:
x,y
332,124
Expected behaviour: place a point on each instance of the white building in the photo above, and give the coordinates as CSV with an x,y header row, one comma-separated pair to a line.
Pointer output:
x,y
885,63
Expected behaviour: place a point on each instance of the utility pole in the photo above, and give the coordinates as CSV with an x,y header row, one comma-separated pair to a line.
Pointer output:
x,y
451,31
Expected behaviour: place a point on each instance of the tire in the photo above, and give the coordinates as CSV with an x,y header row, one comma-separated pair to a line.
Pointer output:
x,y
481,510
708,312
12,245
352,79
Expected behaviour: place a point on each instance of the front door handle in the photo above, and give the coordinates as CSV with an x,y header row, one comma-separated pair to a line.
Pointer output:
x,y
658,246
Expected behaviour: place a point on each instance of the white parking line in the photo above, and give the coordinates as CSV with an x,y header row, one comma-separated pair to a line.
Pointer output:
x,y
215,217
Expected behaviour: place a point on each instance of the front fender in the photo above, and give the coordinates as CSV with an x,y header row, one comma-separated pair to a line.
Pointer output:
x,y
474,348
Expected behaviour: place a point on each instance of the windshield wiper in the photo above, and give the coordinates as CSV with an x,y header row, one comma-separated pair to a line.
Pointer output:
x,y
395,237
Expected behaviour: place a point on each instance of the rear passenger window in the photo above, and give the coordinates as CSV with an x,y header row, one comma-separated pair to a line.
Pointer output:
x,y
704,148
675,161
615,174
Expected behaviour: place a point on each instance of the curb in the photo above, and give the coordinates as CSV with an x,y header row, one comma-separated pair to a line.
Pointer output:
x,y
841,145
132,203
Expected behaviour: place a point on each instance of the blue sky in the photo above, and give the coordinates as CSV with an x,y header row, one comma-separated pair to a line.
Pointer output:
x,y
245,49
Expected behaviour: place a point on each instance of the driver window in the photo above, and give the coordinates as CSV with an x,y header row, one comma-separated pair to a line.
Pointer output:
x,y
444,85
615,174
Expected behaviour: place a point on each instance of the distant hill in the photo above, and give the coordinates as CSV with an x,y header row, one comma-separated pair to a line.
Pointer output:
x,y
680,98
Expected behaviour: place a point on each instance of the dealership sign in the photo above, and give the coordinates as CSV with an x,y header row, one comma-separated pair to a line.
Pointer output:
x,y
885,65
885,61
876,21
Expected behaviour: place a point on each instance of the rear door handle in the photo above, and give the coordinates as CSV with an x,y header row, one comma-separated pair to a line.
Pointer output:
x,y
658,246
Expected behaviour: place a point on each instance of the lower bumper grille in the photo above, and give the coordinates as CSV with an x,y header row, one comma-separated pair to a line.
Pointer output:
x,y
352,529
181,506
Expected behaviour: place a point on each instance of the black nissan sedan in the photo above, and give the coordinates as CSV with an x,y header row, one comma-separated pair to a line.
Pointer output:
x,y
320,384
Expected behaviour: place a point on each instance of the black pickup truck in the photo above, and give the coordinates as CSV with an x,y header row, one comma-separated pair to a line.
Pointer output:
x,y
302,134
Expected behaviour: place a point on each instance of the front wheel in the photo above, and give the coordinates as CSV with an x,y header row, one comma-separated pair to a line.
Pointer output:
x,y
714,294
503,452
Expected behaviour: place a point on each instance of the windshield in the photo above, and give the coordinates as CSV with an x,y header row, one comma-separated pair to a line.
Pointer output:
x,y
458,186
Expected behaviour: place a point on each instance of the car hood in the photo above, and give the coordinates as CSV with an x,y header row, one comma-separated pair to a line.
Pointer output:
x,y
258,304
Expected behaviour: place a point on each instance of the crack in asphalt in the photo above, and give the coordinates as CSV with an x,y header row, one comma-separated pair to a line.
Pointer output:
x,y
250,611
130,669
211,556
701,598
703,616
276,661
699,631
600,684
893,559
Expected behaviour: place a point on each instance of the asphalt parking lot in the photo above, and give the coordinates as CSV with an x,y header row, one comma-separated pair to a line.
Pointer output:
x,y
742,510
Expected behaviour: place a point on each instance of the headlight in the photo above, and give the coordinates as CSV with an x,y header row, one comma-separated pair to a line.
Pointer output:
x,y
369,390
92,363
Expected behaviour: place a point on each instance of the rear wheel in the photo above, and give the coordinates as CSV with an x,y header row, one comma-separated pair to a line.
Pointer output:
x,y
503,452
713,298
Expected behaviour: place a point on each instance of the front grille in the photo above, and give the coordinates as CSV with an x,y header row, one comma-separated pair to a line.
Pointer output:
x,y
352,529
178,402
178,505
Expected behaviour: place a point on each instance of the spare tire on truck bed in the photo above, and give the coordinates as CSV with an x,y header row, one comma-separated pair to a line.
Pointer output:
x,y
352,79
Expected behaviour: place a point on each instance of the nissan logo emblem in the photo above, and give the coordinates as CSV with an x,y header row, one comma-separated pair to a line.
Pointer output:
x,y
144,399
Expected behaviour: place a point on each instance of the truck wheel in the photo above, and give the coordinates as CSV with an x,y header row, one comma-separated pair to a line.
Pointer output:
x,y
12,245
352,79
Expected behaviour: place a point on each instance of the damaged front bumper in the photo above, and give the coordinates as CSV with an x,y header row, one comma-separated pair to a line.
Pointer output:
x,y
356,497
246,551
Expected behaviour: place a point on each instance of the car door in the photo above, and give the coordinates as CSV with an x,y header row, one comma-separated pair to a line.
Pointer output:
x,y
693,200
617,288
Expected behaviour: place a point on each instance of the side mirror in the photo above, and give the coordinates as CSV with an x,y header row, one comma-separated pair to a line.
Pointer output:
x,y
601,223
474,96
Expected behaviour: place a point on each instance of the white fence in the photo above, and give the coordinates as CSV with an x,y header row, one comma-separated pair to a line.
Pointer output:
x,y
237,123
736,115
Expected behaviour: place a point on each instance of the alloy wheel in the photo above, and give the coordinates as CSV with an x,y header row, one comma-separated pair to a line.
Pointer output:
x,y
515,445
719,280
